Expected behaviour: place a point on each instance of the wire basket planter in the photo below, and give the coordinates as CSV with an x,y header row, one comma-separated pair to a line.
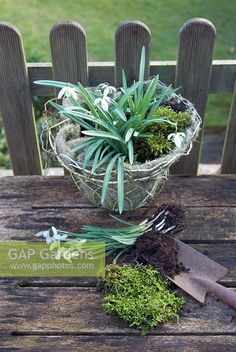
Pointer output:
x,y
142,181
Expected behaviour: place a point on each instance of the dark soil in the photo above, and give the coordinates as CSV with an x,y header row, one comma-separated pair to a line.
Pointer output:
x,y
173,216
177,106
158,247
160,251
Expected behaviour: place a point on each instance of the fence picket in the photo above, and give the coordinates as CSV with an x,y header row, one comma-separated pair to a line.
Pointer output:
x,y
130,37
228,163
69,52
196,44
16,104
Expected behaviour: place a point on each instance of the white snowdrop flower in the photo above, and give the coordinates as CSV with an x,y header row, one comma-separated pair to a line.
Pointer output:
x,y
177,138
49,239
56,236
54,231
109,90
46,235
67,92
102,86
42,234
104,102
106,89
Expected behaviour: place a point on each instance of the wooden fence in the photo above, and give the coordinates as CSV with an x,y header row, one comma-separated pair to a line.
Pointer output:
x,y
193,71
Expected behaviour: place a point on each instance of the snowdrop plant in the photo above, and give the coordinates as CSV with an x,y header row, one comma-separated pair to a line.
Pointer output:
x,y
116,239
113,120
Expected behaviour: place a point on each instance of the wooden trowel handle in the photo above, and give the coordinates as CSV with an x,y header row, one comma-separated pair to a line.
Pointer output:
x,y
223,293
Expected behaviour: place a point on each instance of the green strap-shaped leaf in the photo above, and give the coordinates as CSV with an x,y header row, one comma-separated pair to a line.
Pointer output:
x,y
88,97
93,119
141,76
158,100
131,104
131,151
102,134
123,240
90,151
79,121
105,158
142,65
129,134
56,84
107,177
104,151
150,122
121,220
147,98
118,113
83,144
124,80
56,106
96,158
129,91
120,183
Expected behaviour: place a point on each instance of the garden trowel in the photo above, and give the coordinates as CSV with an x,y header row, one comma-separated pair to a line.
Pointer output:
x,y
201,276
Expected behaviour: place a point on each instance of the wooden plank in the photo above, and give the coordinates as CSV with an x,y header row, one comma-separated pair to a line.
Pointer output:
x,y
69,52
222,76
130,37
204,224
165,70
37,71
228,164
73,310
16,104
99,73
196,44
106,343
222,253
60,191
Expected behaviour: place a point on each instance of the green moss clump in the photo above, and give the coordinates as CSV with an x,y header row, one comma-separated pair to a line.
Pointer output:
x,y
154,142
140,296
152,146
182,120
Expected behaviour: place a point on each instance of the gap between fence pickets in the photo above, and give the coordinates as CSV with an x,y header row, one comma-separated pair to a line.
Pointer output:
x,y
114,334
60,282
106,343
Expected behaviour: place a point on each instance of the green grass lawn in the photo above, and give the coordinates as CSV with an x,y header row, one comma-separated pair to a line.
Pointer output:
x,y
34,18
100,18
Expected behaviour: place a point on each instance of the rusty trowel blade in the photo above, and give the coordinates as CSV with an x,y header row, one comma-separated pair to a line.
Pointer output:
x,y
198,266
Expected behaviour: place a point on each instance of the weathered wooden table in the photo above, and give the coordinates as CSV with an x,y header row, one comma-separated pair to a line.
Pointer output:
x,y
56,314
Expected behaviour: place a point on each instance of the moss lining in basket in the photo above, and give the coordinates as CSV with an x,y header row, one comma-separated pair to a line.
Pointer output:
x,y
102,158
